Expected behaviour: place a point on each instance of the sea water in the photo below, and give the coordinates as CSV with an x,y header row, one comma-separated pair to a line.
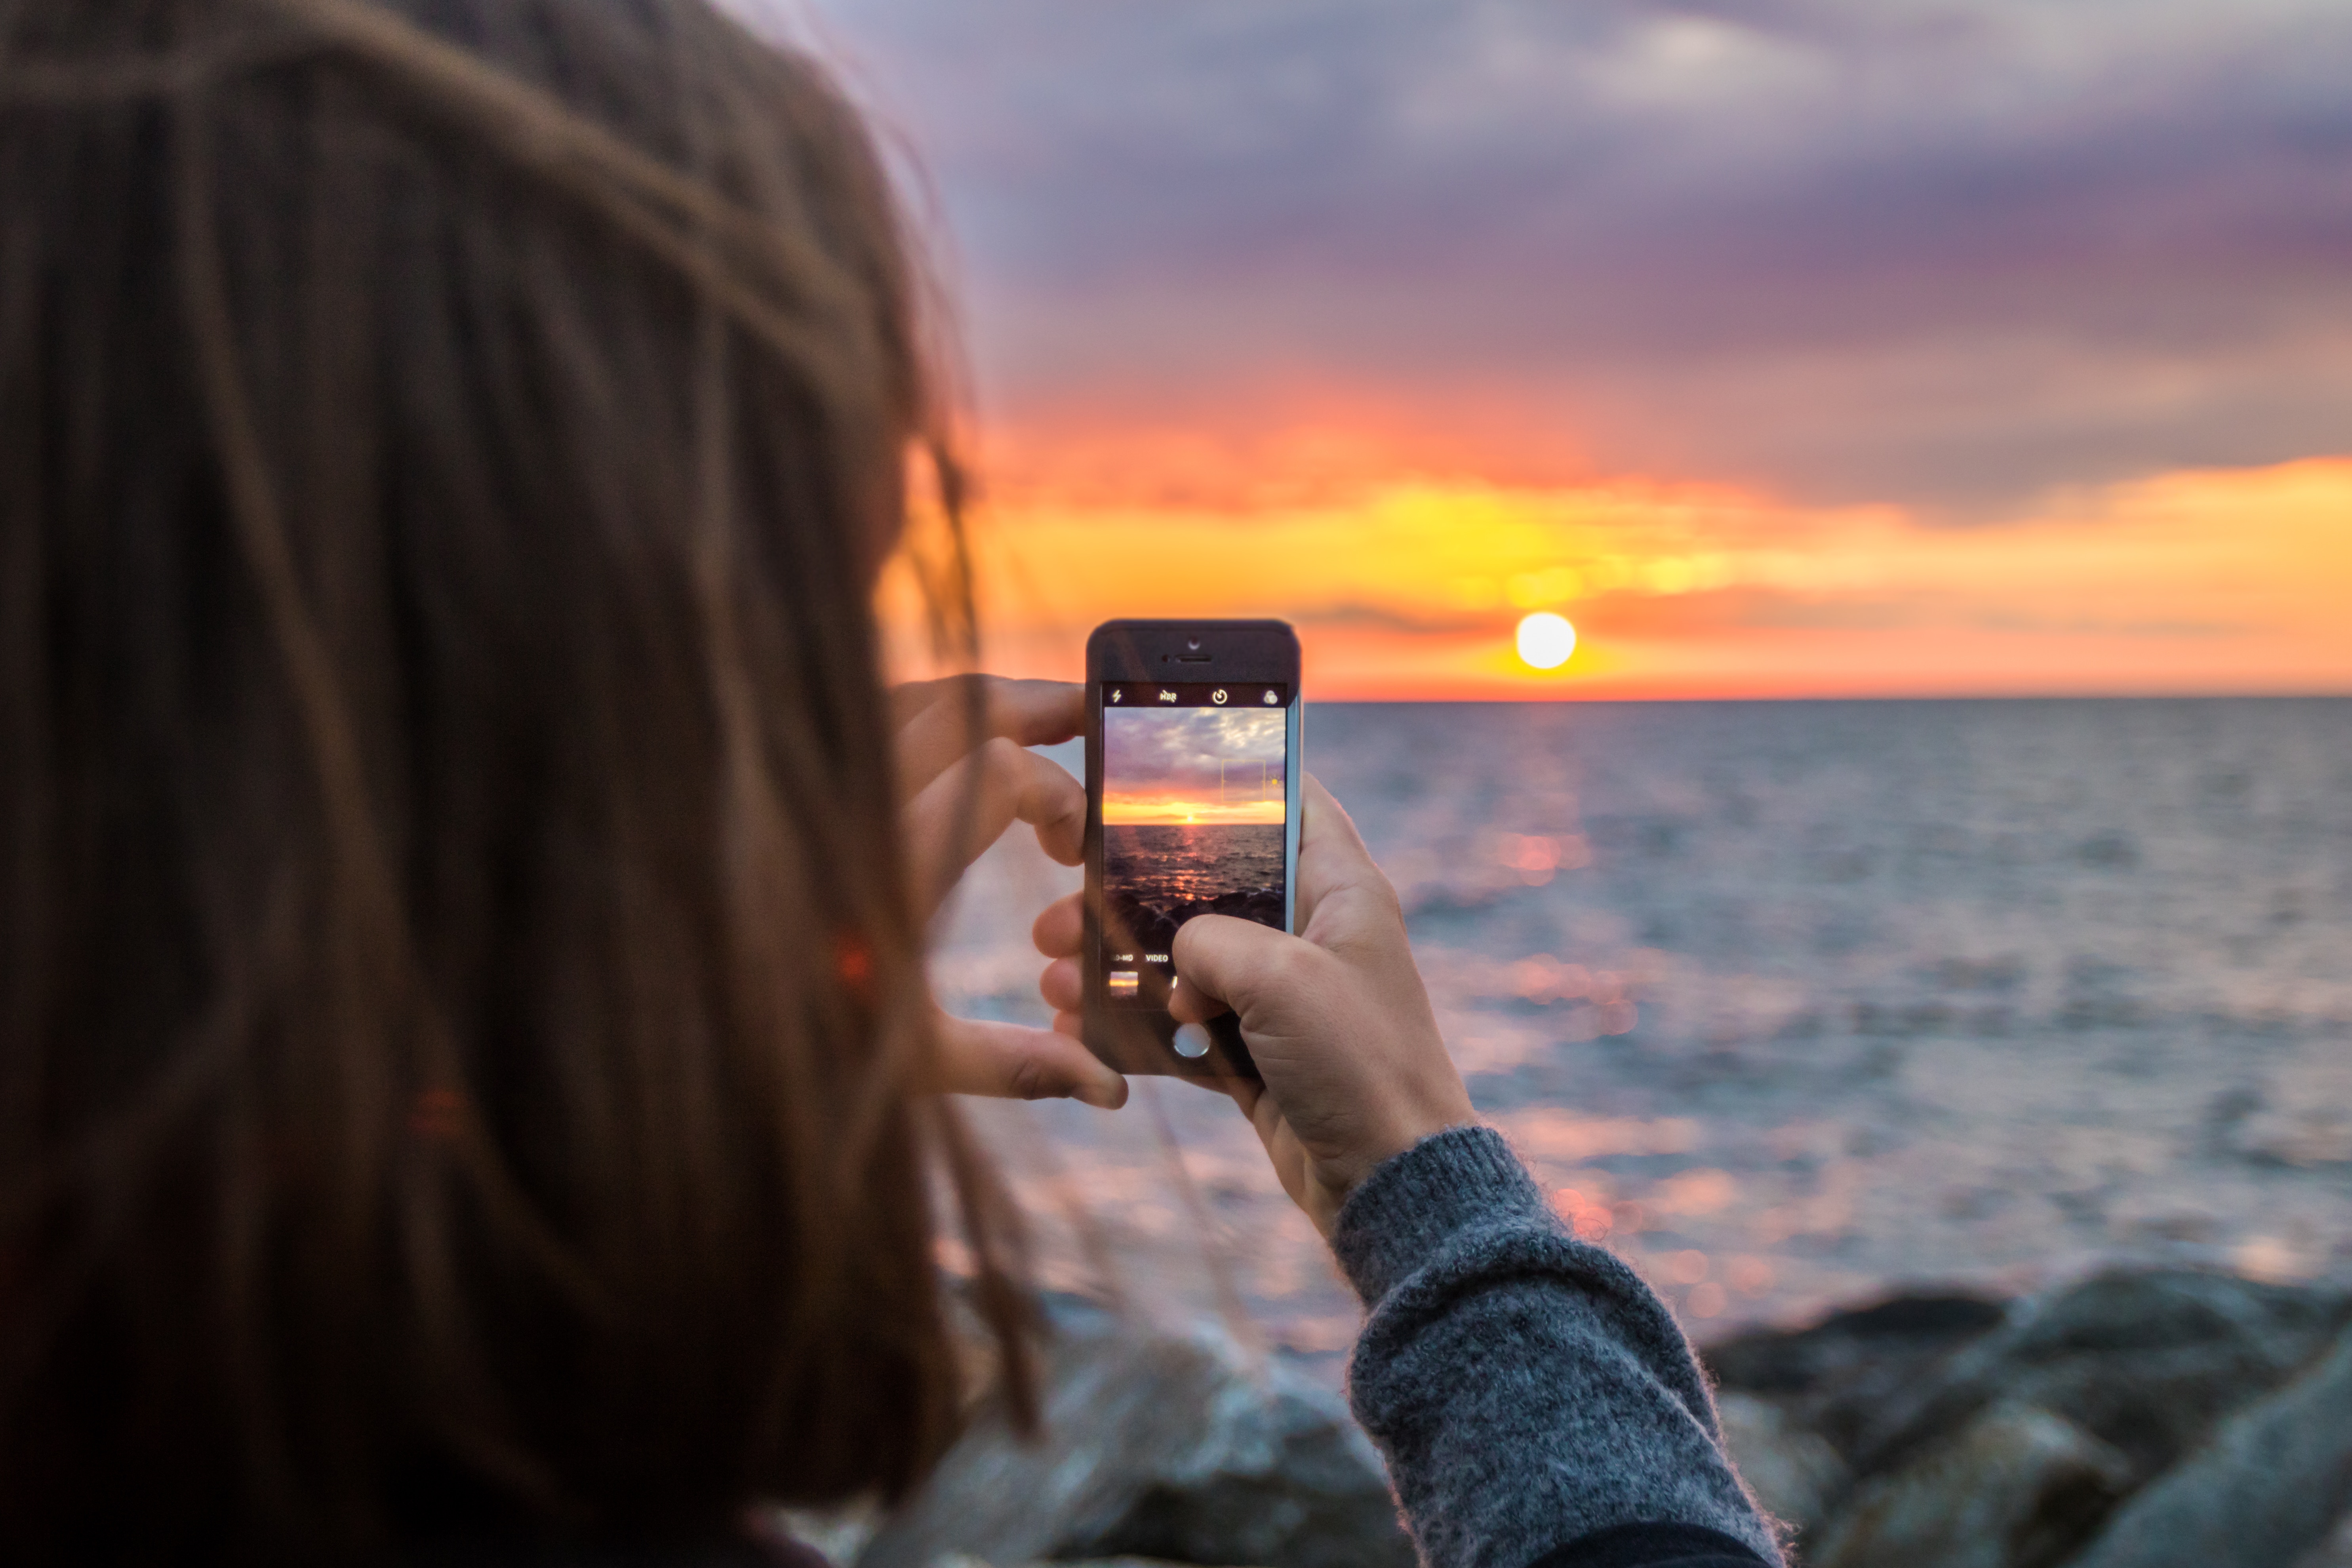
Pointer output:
x,y
1181,867
1793,1004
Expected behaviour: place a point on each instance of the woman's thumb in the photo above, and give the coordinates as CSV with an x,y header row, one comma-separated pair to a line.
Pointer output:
x,y
1226,962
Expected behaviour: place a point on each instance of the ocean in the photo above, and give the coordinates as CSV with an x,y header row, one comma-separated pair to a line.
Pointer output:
x,y
1158,876
1793,1004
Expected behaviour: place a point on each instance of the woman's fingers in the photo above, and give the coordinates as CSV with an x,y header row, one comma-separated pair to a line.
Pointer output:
x,y
1188,1004
971,804
941,722
1332,860
967,774
1063,985
1061,927
1007,1061
1222,961
1058,934
993,693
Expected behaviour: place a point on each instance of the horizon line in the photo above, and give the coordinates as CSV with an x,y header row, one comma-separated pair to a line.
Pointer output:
x,y
1489,695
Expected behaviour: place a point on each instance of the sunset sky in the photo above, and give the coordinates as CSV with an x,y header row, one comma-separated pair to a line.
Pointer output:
x,y
1797,347
1212,765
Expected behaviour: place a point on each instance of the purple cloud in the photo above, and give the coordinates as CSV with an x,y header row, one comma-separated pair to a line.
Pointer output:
x,y
1194,749
1942,254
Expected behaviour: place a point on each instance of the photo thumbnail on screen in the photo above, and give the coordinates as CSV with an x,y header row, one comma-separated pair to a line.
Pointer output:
x,y
1194,785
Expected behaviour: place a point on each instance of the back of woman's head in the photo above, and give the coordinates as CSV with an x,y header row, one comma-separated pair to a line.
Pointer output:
x,y
458,1000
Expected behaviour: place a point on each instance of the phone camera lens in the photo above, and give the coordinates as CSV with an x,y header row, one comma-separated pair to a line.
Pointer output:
x,y
1193,643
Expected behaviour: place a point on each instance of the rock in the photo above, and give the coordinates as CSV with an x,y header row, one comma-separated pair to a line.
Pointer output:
x,y
1175,1445
960,1560
2146,1361
2017,1488
837,1535
1955,1414
2272,1483
1837,1377
2336,1552
1792,1471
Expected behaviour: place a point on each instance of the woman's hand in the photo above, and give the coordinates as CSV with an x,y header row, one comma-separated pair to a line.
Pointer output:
x,y
966,775
1336,1018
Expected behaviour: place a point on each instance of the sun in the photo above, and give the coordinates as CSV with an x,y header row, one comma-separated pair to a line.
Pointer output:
x,y
1546,640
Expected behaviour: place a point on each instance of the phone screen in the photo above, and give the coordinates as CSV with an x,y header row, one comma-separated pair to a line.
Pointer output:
x,y
1196,785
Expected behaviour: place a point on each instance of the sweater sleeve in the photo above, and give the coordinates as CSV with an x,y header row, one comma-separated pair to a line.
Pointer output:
x,y
1533,1399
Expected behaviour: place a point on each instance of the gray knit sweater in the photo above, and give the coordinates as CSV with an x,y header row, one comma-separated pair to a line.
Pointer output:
x,y
1526,1390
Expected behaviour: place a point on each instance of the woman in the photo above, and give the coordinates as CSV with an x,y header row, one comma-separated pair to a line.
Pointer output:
x,y
467,1089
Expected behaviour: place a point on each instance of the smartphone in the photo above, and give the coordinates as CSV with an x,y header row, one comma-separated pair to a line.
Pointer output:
x,y
1192,775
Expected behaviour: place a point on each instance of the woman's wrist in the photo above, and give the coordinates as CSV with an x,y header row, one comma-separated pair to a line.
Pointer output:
x,y
1401,1134
1409,1206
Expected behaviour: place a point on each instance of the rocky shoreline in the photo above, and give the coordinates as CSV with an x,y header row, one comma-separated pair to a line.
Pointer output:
x,y
2152,1418
2145,1418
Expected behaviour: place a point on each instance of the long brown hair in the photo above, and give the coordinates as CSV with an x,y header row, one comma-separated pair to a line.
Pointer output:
x,y
460,1008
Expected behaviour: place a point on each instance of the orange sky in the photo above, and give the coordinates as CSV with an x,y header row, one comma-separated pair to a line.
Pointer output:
x,y
1145,810
1784,355
1406,564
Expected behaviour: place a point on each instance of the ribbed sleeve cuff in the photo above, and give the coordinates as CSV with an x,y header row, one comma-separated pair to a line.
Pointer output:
x,y
1463,1179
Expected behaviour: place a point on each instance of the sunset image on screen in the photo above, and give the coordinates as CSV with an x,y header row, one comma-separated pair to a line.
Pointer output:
x,y
1192,824
1180,766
